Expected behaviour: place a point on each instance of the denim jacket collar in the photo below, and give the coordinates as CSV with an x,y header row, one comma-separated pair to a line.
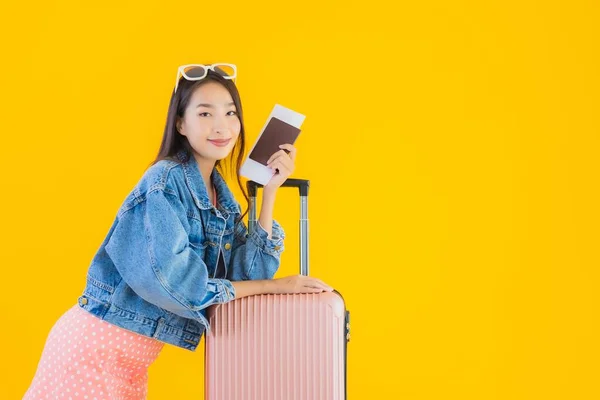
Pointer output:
x,y
197,186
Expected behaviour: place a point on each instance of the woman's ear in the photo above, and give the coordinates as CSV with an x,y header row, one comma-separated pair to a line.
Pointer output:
x,y
178,126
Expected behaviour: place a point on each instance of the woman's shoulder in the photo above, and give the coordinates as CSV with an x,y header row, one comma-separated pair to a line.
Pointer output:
x,y
161,175
158,175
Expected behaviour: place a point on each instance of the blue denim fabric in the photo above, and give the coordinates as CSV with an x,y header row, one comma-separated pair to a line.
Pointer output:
x,y
154,273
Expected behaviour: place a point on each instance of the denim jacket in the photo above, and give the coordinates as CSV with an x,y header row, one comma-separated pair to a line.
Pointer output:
x,y
155,272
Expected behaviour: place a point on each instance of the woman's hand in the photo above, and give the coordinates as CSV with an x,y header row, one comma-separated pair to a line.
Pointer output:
x,y
299,284
283,164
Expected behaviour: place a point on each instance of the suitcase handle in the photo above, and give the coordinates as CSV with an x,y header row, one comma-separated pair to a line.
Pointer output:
x,y
303,186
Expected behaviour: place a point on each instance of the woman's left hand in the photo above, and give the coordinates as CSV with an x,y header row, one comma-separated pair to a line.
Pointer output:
x,y
283,164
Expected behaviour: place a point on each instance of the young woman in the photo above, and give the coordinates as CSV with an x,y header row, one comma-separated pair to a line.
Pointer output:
x,y
177,246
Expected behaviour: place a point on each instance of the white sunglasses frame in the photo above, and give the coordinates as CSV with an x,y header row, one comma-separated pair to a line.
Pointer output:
x,y
181,71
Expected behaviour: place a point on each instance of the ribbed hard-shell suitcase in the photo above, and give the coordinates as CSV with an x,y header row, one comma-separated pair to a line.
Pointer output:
x,y
278,346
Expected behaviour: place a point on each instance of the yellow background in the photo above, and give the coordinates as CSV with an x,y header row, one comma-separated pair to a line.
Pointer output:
x,y
452,149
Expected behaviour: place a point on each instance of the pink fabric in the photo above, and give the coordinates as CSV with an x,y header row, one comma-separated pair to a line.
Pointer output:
x,y
87,358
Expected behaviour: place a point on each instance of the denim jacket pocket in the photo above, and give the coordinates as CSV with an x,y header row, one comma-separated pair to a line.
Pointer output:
x,y
195,235
199,245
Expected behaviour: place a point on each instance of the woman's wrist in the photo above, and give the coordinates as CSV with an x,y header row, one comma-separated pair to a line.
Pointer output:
x,y
253,287
269,192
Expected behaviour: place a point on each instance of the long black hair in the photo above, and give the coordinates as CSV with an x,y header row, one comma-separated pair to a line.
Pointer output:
x,y
173,141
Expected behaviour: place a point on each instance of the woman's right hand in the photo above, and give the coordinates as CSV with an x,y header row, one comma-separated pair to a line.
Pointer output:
x,y
299,284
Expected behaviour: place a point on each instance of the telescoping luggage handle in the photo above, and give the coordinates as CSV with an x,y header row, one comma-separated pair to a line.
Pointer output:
x,y
302,185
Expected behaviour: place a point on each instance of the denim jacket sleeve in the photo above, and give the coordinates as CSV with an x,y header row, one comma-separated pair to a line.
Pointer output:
x,y
150,249
254,255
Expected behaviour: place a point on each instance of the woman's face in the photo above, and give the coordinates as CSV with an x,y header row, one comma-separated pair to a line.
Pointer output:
x,y
210,122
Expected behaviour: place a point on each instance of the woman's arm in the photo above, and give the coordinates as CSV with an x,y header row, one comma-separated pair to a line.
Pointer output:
x,y
150,249
256,255
283,162
266,211
288,284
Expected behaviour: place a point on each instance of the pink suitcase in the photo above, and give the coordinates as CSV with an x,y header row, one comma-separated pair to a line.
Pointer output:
x,y
278,347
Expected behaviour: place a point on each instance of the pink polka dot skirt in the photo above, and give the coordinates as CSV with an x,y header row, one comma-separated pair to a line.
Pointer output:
x,y
87,358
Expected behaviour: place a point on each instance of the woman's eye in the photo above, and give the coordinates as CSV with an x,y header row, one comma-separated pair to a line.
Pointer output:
x,y
206,114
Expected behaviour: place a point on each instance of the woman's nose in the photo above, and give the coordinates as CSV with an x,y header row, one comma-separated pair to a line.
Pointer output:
x,y
220,124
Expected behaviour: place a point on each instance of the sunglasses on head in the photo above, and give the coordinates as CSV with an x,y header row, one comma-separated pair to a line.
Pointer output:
x,y
195,72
